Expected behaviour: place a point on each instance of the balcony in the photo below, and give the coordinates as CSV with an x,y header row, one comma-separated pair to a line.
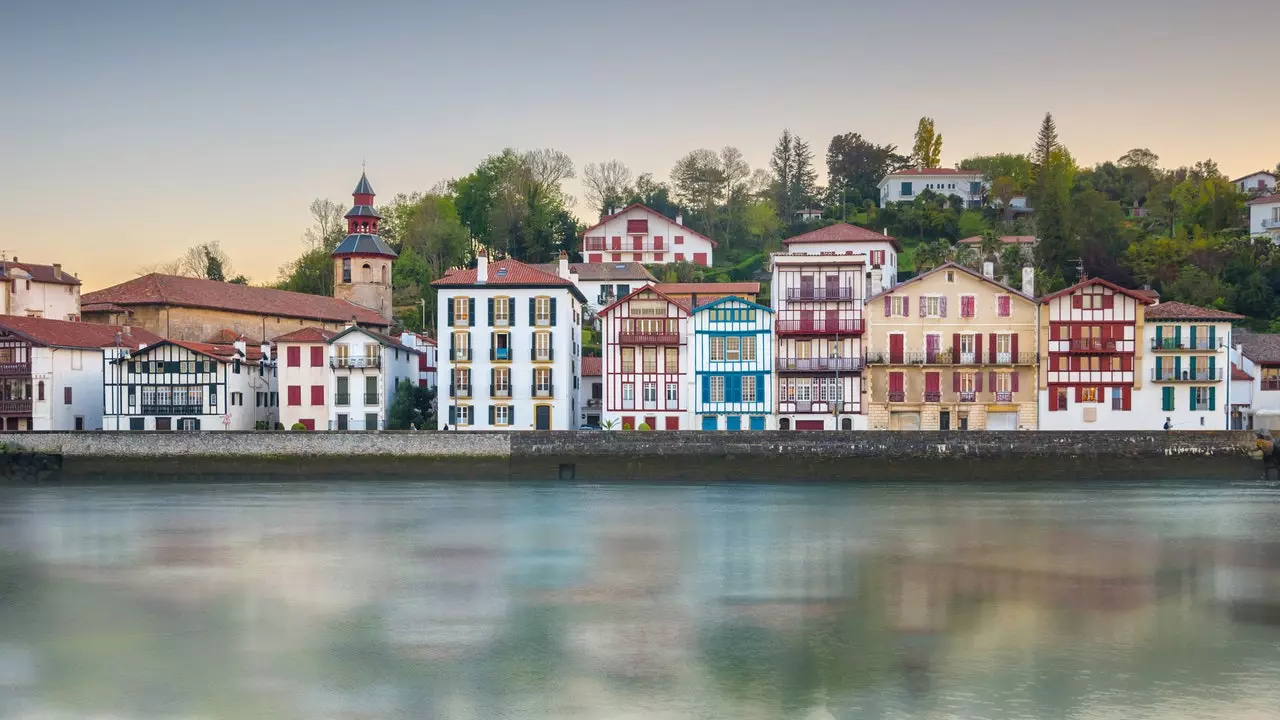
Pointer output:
x,y
15,368
372,398
1083,345
897,396
932,396
538,354
342,399
1186,375
356,362
818,294
646,338
795,325
1177,344
837,364
500,354
158,409
460,354
542,392
821,407
1271,223
459,391
968,397
500,392
1270,384
1004,397
593,402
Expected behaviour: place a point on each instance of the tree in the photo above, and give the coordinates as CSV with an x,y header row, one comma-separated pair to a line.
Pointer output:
x,y
736,171
1139,157
761,223
927,151
699,181
412,406
804,179
513,203
858,166
312,272
932,254
990,246
205,260
1056,251
1046,143
782,163
606,184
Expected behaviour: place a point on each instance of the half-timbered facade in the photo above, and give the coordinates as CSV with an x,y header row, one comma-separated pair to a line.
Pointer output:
x,y
818,324
733,365
640,234
176,385
951,350
646,366
1091,358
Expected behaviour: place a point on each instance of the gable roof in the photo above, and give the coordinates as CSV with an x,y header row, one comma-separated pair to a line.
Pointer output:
x,y
932,172
592,365
1006,239
384,340
508,273
178,291
218,351
1136,295
1174,310
1262,348
709,288
62,333
39,273
306,335
1254,174
602,270
730,299
1265,199
645,288
651,211
1238,374
961,268
842,232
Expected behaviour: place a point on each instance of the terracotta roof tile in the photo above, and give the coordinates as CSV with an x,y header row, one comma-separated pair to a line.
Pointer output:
x,y
1238,374
225,336
1265,199
1262,348
40,273
306,335
602,270
507,272
592,365
709,288
1252,174
842,232
61,333
1174,310
177,291
1138,295
220,351
953,266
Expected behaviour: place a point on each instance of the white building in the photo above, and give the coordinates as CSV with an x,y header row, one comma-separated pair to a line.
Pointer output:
x,y
42,291
512,358
591,390
426,348
639,234
1259,183
51,371
1255,359
1187,367
604,282
881,251
905,185
303,377
178,385
1264,216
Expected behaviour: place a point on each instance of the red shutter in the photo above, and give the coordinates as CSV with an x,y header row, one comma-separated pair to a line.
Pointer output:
x,y
991,347
906,306
679,240
991,380
640,226
657,257
955,382
931,382
977,348
1013,382
295,395
657,242
66,396
679,257
295,356
888,305
595,258
673,423
955,347
617,242
1108,302
1079,394
1077,302
317,394
977,382
617,257
896,382
637,242
1013,347
700,259
1126,397
317,356
1053,397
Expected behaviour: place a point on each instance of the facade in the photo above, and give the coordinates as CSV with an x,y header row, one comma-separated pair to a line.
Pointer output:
x,y
639,234
733,358
1256,363
426,348
366,368
178,385
648,379
41,291
1188,366
512,360
51,371
1264,216
591,390
952,350
1092,359
303,378
695,294
362,261
1025,243
905,185
603,282
1259,183
881,251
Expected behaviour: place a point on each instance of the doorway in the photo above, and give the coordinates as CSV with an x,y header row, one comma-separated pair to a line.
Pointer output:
x,y
542,417
944,420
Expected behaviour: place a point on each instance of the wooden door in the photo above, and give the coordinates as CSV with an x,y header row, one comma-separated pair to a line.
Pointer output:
x,y
833,287
806,286
895,348
542,417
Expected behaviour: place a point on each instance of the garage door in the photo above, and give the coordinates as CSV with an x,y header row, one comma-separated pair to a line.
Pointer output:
x,y
1002,421
810,424
904,421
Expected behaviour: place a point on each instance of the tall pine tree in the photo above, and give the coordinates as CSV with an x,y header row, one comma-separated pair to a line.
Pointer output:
x,y
804,179
783,165
1046,142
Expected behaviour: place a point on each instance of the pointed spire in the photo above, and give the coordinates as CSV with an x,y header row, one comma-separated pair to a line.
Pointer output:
x,y
364,188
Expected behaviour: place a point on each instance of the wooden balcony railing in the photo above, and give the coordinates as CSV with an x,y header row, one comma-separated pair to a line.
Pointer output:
x,y
646,338
838,364
1092,345
819,326
356,362
820,293
15,368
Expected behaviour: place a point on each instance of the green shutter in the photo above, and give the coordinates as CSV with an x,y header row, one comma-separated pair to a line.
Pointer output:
x,y
1177,336
1159,335
1213,399
1177,367
1193,366
1213,339
1159,366
1167,399
1211,368
1192,390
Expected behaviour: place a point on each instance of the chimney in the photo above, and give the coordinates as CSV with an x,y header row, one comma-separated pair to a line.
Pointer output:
x,y
877,281
482,267
265,347
563,269
989,269
679,221
241,349
57,270
1029,281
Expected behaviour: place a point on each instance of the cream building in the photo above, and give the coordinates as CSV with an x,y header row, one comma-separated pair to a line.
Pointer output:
x,y
952,350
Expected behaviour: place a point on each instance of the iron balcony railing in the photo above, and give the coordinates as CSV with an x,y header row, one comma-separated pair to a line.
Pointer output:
x,y
968,397
355,362
372,398
458,354
897,396
15,368
1092,345
342,399
647,338
593,402
932,396
462,391
1186,375
499,353
500,392
541,392
1187,343
1004,397
824,407
820,293
836,364
162,409
819,326
1270,223
542,354
1271,384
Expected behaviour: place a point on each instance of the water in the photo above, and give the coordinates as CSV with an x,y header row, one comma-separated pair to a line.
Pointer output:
x,y
421,600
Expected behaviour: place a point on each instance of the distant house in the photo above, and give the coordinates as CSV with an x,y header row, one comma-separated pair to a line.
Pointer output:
x,y
1026,242
905,185
1255,361
1259,183
42,291
1264,216
426,348
808,215
603,282
640,234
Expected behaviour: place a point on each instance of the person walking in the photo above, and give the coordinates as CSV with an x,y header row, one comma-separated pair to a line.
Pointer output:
x,y
1168,424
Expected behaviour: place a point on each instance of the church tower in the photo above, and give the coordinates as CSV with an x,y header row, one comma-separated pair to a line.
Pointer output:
x,y
362,261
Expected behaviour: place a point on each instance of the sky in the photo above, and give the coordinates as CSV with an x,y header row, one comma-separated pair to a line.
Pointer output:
x,y
131,130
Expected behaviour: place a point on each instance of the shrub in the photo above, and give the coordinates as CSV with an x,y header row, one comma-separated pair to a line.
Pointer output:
x,y
627,426
298,426
262,425
644,427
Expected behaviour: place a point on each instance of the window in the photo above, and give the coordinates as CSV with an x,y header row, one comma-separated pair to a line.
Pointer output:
x,y
1004,383
1061,395
501,415
749,388
1115,363
733,349
346,270
673,393
1270,378
461,311
317,356
967,305
967,344
66,396
293,356
502,382
749,347
1004,307
462,382
671,363
898,306
188,424
628,360
1004,348
542,346
317,394
628,394
906,189
717,349
294,394
542,311
931,306
40,390
501,311
1202,398
967,383
462,416
1117,398
1089,394
542,381
502,346
1064,332
651,360
717,389
651,392
137,423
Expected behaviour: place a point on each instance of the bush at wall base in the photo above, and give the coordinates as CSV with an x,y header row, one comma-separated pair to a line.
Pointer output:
x,y
298,426
644,427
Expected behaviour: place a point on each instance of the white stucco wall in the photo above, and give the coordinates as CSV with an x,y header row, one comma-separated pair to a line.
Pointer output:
x,y
889,271
54,301
304,377
61,368
689,246
1264,218
952,184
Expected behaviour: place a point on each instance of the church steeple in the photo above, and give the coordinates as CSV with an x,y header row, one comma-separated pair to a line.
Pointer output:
x,y
362,218
362,261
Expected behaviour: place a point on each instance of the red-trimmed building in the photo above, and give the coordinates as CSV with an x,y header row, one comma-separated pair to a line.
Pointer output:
x,y
640,234
646,363
1091,354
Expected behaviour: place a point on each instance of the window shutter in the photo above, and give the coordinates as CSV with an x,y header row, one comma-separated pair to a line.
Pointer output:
x,y
448,301
991,381
511,415
1159,335
493,351
888,305
453,415
1193,367
942,306
1212,362
1213,339
991,347
511,319
1177,335
553,312
533,312
977,382
491,322
1013,346
1213,398
955,382
491,407
1159,367
706,388
922,305
1076,302
1177,367
492,381
1013,381
1079,394
1192,391
955,348
906,306
977,348
1126,397
471,311
1053,398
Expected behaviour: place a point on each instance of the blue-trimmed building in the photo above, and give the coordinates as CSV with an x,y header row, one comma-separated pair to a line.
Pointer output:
x,y
733,365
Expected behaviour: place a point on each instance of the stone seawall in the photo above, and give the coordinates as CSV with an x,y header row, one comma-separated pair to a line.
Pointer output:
x,y
604,456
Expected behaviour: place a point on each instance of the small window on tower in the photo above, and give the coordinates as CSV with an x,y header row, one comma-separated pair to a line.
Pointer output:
x,y
346,270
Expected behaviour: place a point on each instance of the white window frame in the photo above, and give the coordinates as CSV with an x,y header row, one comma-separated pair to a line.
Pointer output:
x,y
542,310
896,306
717,349
462,415
932,305
1004,383
502,311
733,348
650,389
461,310
748,388
501,414
673,392
628,395
749,347
716,390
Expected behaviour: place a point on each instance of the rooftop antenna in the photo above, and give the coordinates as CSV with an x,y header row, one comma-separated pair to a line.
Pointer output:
x,y
1080,269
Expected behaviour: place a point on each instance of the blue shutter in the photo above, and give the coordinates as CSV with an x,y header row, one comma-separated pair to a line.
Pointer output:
x,y
471,311
491,313
706,388
733,389
511,415
733,422
1193,366
757,422
1213,399
511,312
553,312
710,422
449,302
1177,336
532,312
453,415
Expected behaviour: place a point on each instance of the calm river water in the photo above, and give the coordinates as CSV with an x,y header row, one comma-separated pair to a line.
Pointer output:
x,y
424,600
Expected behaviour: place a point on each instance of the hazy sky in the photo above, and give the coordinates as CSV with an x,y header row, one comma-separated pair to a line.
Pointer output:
x,y
131,130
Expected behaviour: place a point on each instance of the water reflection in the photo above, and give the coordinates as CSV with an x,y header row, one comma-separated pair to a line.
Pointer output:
x,y
416,600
